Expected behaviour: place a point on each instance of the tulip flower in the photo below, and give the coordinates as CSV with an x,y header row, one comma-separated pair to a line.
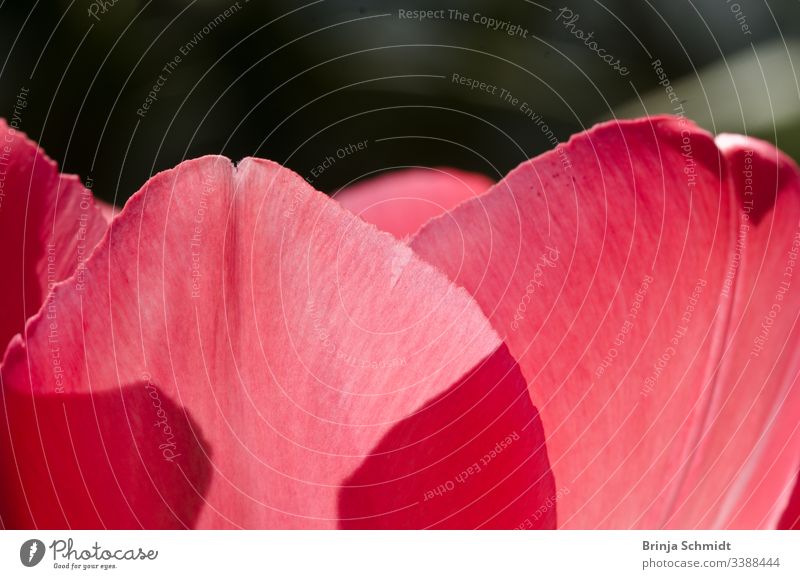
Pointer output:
x,y
603,339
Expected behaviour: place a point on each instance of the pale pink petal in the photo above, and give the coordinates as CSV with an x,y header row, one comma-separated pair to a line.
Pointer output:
x,y
240,349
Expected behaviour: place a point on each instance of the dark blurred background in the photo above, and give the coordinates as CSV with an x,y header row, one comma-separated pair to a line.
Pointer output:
x,y
295,82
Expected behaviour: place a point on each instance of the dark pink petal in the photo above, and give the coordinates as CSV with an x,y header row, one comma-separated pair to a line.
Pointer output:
x,y
603,265
400,202
78,460
242,347
48,227
487,432
791,515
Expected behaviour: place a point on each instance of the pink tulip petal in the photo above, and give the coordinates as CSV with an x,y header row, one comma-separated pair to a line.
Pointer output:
x,y
48,225
603,265
749,451
240,345
489,473
791,515
93,461
401,202
108,210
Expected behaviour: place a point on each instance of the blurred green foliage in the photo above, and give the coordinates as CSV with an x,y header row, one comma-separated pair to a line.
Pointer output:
x,y
295,81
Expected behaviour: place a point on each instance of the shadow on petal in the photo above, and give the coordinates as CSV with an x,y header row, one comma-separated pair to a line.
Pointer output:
x,y
121,459
790,519
472,457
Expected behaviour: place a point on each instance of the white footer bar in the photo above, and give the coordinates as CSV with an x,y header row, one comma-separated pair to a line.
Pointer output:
x,y
406,555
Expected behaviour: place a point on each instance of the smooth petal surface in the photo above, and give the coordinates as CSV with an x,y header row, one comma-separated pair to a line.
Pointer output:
x,y
603,265
402,201
243,347
48,228
751,435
